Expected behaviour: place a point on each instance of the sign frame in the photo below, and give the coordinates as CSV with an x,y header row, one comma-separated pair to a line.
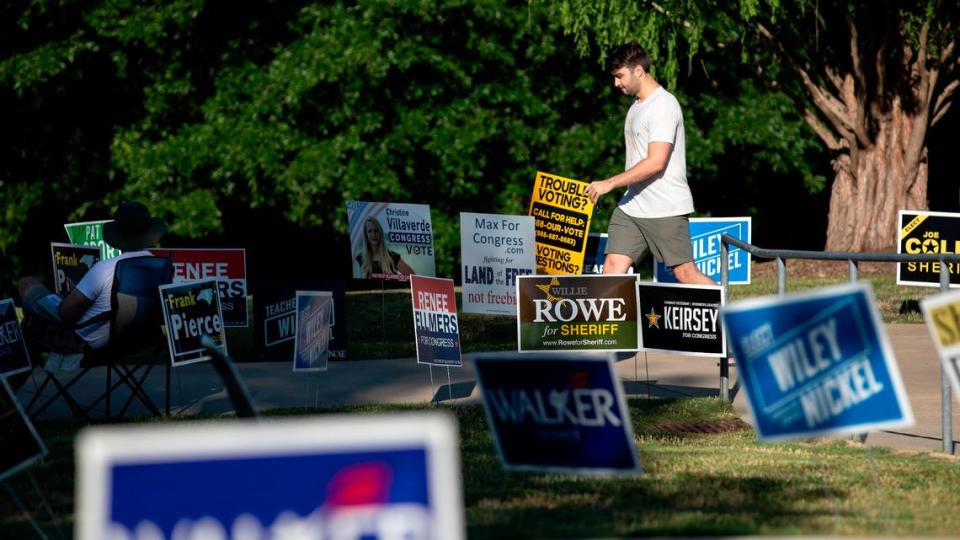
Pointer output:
x,y
9,395
723,331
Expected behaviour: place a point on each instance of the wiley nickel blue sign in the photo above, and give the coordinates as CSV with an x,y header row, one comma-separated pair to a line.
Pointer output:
x,y
557,412
386,476
817,363
705,236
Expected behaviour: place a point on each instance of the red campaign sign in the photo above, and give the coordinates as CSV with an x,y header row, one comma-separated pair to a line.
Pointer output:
x,y
193,264
433,294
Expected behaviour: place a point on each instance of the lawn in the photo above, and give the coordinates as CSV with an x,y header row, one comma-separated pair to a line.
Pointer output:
x,y
704,473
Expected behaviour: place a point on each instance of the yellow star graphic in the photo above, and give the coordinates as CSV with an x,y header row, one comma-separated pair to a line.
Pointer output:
x,y
652,319
546,289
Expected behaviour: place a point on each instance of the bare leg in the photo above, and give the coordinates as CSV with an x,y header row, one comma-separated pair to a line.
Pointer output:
x,y
689,273
615,263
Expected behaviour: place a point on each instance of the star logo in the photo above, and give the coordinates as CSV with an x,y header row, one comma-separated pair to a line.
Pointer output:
x,y
546,289
652,319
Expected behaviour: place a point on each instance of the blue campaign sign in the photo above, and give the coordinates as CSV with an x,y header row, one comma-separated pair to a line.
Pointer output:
x,y
386,476
594,256
817,363
705,236
557,412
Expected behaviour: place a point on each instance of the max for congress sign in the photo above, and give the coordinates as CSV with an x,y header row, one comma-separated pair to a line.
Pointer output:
x,y
578,313
927,233
495,249
817,363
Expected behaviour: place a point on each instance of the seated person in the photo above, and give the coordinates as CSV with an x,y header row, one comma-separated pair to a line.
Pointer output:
x,y
81,320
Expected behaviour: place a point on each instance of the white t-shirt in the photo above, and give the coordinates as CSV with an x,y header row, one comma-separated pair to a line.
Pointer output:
x,y
97,285
657,118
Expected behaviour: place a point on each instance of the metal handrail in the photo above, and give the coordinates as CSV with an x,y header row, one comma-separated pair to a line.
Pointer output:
x,y
781,255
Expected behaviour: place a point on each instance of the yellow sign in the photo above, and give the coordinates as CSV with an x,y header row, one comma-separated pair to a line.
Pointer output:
x,y
562,215
945,322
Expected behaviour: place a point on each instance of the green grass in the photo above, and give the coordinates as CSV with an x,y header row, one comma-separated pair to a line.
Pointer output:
x,y
725,483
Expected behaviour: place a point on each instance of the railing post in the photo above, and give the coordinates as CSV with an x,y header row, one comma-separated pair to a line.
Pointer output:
x,y
781,276
854,270
725,283
946,408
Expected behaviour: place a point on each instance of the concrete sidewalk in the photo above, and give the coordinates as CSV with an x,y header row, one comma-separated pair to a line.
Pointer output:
x,y
196,389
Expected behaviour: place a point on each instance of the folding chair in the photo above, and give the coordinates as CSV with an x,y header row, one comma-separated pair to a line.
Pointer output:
x,y
136,341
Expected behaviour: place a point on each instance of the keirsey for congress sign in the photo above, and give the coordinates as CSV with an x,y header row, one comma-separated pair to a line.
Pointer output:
x,y
705,236
435,322
495,249
681,319
557,413
558,313
562,216
817,363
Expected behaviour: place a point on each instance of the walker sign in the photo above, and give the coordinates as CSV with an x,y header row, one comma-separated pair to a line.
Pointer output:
x,y
557,413
562,219
70,264
942,313
577,313
817,363
924,232
90,233
681,319
326,478
495,249
13,350
435,323
191,311
227,265
705,236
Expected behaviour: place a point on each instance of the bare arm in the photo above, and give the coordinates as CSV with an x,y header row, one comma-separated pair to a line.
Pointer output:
x,y
74,306
658,154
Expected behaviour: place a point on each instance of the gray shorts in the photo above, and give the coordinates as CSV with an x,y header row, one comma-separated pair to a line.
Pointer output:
x,y
668,238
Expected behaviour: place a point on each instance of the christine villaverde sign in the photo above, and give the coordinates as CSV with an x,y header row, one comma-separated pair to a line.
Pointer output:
x,y
390,240
562,215
435,323
817,363
577,313
557,413
13,350
190,311
942,313
227,265
705,236
924,232
331,477
681,319
70,264
495,249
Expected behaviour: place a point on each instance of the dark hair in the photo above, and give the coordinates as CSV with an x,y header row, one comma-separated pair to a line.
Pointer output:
x,y
628,55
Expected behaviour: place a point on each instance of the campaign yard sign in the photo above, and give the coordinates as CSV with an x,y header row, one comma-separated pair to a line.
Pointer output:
x,y
275,309
390,240
331,477
313,330
13,349
582,313
191,310
817,363
19,440
70,264
557,413
90,233
435,323
705,236
942,314
923,232
494,249
227,265
562,214
681,319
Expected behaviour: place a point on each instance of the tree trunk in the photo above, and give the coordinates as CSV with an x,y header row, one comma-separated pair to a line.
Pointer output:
x,y
873,184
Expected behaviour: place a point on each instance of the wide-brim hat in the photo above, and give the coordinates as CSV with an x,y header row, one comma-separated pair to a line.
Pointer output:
x,y
133,228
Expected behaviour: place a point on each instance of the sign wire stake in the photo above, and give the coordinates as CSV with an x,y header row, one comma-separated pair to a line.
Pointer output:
x,y
45,503
23,510
433,387
449,384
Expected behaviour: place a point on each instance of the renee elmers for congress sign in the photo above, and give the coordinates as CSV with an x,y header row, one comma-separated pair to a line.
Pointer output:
x,y
227,265
494,250
817,363
562,216
435,323
557,412
942,313
705,242
577,313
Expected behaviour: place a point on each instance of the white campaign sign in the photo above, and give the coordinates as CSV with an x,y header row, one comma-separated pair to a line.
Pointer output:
x,y
494,250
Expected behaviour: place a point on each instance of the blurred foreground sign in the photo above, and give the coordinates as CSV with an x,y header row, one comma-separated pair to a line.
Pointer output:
x,y
942,313
336,477
817,363
557,412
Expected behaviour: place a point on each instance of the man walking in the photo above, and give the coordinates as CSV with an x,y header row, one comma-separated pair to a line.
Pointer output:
x,y
653,213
